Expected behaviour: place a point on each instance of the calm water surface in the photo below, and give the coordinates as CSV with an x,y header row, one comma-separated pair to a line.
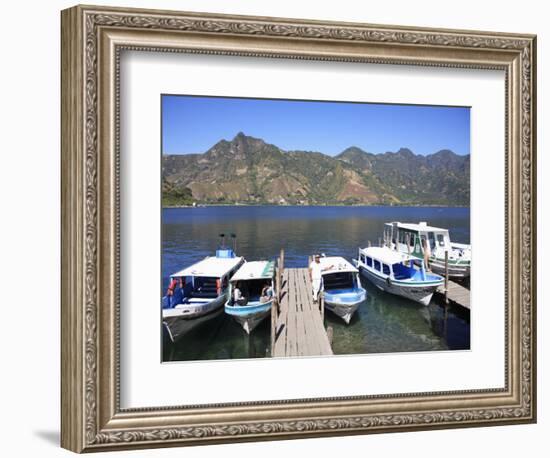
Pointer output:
x,y
384,323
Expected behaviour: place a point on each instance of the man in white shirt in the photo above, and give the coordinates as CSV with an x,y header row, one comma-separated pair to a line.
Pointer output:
x,y
316,277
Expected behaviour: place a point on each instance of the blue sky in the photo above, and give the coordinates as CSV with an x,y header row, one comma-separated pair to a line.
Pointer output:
x,y
192,124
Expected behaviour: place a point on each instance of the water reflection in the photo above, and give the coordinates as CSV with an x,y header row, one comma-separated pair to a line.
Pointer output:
x,y
384,323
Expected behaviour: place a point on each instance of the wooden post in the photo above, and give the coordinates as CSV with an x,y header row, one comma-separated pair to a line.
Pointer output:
x,y
274,307
322,304
369,244
379,241
446,277
446,317
281,270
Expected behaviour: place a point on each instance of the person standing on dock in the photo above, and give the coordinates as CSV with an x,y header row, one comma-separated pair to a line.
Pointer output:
x,y
316,276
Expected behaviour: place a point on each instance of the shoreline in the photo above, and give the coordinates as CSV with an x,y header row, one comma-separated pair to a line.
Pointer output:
x,y
317,206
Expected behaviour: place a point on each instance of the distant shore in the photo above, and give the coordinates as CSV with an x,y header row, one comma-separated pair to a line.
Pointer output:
x,y
316,205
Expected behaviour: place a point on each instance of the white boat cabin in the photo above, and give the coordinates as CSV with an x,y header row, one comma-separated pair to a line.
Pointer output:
x,y
252,277
207,278
340,274
386,263
414,238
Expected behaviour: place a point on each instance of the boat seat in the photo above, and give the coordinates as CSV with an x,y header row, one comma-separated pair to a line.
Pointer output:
x,y
401,272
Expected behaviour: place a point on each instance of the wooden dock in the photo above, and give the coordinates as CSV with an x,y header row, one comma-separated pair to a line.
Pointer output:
x,y
298,328
456,294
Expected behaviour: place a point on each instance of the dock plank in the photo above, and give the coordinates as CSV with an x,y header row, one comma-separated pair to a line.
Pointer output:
x,y
317,328
278,349
457,294
311,345
300,328
292,318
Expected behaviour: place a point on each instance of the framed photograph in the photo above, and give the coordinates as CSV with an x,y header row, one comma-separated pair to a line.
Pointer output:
x,y
278,228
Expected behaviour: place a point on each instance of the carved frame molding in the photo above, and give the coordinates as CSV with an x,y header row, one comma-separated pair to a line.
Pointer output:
x,y
92,40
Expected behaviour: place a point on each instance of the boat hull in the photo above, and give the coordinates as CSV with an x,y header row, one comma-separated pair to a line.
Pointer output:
x,y
419,293
181,320
456,270
249,316
344,305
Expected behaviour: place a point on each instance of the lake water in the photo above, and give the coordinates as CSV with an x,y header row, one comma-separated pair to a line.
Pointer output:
x,y
384,323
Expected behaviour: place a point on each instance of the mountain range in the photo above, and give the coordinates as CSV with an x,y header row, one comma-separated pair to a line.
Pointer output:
x,y
248,170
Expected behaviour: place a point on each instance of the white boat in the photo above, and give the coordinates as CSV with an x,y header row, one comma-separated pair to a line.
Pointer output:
x,y
430,243
252,277
198,293
341,286
398,273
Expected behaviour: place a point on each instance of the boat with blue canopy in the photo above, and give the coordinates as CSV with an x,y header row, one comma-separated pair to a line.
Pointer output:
x,y
197,293
398,273
252,291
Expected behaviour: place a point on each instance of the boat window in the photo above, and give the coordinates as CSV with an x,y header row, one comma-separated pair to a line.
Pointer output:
x,y
432,240
376,265
406,235
440,240
369,261
385,269
338,281
252,289
205,287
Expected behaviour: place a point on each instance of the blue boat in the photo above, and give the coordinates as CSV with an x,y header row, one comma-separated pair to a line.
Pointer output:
x,y
398,273
197,293
255,281
341,287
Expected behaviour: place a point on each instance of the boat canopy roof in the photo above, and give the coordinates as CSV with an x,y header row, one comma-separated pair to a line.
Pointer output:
x,y
385,255
255,270
421,227
209,267
338,264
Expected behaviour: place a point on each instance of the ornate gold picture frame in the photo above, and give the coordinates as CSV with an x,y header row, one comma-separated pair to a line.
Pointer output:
x,y
92,41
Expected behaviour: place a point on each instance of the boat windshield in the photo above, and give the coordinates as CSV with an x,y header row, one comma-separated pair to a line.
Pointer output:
x,y
339,281
206,287
252,289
